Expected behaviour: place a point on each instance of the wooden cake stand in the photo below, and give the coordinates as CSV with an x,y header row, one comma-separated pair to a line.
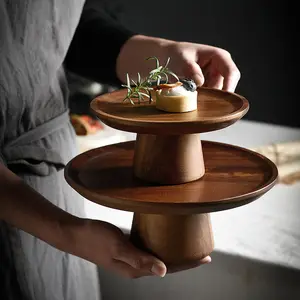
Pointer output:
x,y
168,177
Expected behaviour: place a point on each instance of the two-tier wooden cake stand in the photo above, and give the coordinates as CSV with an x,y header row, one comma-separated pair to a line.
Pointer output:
x,y
168,177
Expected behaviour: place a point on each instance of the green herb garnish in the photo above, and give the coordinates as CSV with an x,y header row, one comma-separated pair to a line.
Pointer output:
x,y
142,88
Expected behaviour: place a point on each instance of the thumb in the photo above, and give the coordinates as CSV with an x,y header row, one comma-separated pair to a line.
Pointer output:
x,y
192,70
140,260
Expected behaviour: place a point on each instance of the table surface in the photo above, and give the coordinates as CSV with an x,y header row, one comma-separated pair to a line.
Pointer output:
x,y
268,229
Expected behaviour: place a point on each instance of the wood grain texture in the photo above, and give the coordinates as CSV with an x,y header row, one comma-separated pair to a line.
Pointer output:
x,y
168,159
233,177
179,241
216,109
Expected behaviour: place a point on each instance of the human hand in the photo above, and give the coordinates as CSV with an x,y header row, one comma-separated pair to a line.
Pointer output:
x,y
209,66
105,245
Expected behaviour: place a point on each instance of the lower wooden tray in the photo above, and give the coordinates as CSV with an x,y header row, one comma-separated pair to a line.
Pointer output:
x,y
233,176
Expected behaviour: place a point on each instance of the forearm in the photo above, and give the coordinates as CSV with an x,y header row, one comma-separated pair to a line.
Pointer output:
x,y
24,208
96,46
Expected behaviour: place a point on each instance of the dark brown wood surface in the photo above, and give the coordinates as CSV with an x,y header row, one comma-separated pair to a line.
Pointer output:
x,y
180,241
233,176
168,159
216,109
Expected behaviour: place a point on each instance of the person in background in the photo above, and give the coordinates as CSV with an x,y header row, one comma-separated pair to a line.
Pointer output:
x,y
49,249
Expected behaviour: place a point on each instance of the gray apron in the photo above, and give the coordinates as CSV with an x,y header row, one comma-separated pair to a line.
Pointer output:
x,y
36,142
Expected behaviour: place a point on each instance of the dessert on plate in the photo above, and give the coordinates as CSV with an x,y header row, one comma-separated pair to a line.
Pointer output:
x,y
177,97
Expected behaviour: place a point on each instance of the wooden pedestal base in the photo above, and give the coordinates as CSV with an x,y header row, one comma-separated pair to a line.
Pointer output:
x,y
171,221
168,159
180,241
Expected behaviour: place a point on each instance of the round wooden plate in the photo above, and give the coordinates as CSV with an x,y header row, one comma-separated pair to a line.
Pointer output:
x,y
234,176
216,109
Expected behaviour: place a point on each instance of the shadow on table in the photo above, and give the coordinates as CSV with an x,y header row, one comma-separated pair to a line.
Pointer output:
x,y
226,277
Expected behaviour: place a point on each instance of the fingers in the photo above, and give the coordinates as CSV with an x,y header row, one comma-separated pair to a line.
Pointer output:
x,y
134,263
214,81
192,70
218,70
127,271
231,80
220,73
224,64
140,262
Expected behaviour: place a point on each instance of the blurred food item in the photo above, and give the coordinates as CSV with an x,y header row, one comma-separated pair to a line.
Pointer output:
x,y
286,157
290,178
85,125
281,153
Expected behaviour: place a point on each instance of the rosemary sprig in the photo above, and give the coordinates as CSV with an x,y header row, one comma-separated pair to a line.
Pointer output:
x,y
142,88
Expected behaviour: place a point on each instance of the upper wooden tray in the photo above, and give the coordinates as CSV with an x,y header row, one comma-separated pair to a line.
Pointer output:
x,y
234,176
216,109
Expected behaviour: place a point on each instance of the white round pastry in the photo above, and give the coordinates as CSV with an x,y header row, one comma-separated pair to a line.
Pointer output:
x,y
176,99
